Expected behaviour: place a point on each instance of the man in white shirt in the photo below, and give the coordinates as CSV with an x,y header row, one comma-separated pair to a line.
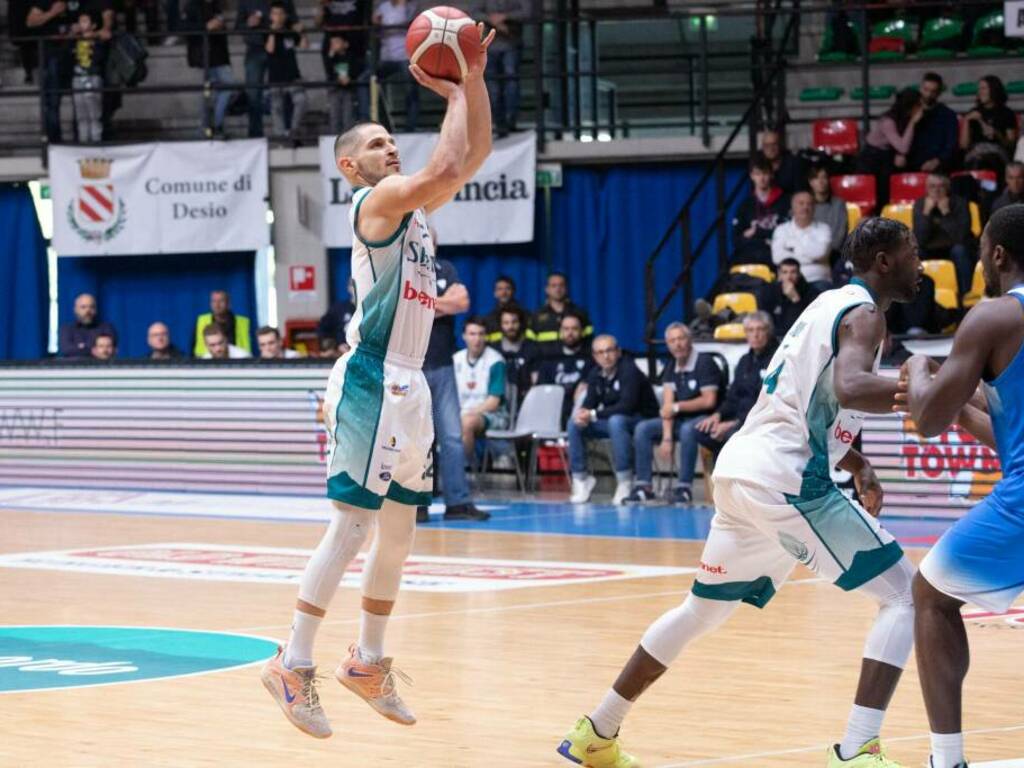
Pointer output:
x,y
395,16
271,348
480,378
217,347
806,240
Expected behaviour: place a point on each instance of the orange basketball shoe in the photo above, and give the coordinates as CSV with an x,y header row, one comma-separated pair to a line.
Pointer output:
x,y
375,684
294,690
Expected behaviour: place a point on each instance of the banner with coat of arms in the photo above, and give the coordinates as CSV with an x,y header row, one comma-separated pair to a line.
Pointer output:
x,y
183,197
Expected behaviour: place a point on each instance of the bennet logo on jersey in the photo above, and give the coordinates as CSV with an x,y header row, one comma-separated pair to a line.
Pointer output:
x,y
410,293
844,436
399,390
715,569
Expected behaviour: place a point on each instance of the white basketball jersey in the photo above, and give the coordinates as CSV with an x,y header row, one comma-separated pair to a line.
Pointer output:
x,y
395,289
796,431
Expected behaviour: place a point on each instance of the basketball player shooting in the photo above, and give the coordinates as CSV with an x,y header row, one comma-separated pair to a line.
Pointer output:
x,y
377,405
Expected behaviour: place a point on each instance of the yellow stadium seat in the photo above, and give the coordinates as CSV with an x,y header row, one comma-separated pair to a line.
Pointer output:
x,y
762,271
901,212
943,273
730,332
853,215
974,295
740,303
975,219
947,299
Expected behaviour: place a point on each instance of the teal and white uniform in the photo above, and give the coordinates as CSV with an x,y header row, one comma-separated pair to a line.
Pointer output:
x,y
479,379
377,405
775,500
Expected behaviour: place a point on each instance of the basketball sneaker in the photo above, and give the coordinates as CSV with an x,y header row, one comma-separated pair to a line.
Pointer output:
x,y
294,690
584,747
871,755
375,684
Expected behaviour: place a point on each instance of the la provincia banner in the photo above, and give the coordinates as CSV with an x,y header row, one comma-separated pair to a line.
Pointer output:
x,y
181,197
495,206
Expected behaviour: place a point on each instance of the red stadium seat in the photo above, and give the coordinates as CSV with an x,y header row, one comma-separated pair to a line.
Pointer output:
x,y
835,137
987,180
857,188
906,187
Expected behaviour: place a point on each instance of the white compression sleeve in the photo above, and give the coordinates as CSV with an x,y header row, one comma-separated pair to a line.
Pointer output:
x,y
666,637
345,535
892,636
396,529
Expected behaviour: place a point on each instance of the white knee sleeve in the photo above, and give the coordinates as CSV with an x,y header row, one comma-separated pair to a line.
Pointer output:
x,y
666,637
892,636
342,541
396,529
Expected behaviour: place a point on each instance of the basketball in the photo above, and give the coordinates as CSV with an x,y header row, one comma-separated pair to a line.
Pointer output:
x,y
444,42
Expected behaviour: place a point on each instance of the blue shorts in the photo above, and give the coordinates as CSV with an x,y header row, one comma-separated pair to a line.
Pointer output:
x,y
980,560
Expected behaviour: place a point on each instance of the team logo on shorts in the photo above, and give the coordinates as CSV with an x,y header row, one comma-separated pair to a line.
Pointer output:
x,y
399,390
385,476
391,444
794,546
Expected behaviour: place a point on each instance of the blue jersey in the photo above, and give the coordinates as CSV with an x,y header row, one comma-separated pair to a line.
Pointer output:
x,y
1006,407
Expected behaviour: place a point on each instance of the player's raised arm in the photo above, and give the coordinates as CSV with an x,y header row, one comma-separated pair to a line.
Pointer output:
x,y
857,387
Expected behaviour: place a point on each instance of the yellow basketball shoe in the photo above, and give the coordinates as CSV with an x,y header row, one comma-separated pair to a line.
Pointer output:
x,y
375,684
294,690
584,747
871,755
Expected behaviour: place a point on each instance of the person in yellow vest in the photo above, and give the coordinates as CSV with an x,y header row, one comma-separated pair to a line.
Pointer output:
x,y
236,327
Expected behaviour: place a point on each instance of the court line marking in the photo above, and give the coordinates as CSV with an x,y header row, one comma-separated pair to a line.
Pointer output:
x,y
681,593
822,747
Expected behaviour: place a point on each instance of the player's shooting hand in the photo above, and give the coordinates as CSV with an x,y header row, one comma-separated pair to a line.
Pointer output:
x,y
868,489
446,89
477,68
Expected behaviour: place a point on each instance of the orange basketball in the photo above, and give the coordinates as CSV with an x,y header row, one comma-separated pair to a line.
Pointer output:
x,y
443,42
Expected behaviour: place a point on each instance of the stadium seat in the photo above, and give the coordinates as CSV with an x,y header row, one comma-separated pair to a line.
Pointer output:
x,y
940,37
987,180
887,49
975,218
970,88
835,137
762,271
875,92
831,52
822,93
853,215
1015,87
730,332
946,299
943,272
974,295
740,303
857,188
906,187
901,212
988,38
898,29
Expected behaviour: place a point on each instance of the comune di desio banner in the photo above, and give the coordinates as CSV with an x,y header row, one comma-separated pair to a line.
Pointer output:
x,y
182,197
495,206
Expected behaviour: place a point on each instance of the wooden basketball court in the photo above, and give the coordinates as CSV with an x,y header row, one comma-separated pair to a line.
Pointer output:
x,y
500,674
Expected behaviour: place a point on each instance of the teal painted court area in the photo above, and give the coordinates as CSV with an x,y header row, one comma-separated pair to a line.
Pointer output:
x,y
45,657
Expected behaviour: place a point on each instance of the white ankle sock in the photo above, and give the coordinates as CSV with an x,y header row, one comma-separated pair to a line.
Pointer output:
x,y
863,725
609,714
947,750
299,651
371,636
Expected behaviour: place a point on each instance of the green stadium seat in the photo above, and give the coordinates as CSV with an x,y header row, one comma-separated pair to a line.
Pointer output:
x,y
900,28
966,89
875,93
822,93
827,53
936,53
1015,87
988,37
943,32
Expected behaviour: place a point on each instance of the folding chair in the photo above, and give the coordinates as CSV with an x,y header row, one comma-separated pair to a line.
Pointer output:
x,y
539,418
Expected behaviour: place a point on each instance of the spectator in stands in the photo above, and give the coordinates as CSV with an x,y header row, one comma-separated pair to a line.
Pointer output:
x,y
942,226
690,392
218,347
519,352
988,133
208,16
806,240
235,327
506,16
546,321
713,431
785,299
283,72
158,337
254,18
935,135
920,316
344,55
569,365
48,18
438,368
618,398
758,216
480,377
76,337
828,209
1014,192
334,324
89,58
103,347
504,296
18,30
889,140
395,15
787,170
271,346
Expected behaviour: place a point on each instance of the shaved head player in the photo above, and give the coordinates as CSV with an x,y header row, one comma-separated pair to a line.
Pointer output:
x,y
377,406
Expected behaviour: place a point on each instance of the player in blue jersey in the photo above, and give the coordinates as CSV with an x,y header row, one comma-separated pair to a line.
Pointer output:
x,y
981,558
